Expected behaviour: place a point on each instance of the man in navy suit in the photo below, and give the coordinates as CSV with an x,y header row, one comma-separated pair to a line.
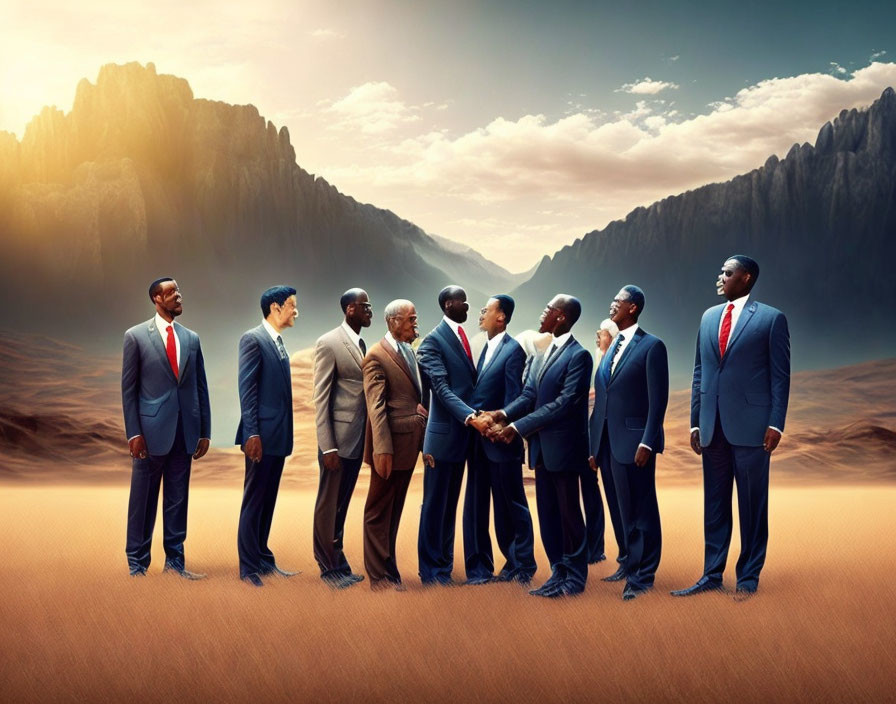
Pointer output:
x,y
446,362
167,418
631,391
265,430
496,468
552,412
738,405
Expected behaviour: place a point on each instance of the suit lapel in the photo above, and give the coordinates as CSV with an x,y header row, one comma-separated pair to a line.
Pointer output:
x,y
714,322
548,363
498,352
402,364
155,339
351,347
627,353
267,342
185,350
746,315
453,342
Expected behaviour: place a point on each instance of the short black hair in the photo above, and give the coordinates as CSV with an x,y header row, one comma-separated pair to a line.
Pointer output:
x,y
505,305
636,296
571,307
156,286
275,294
449,293
749,265
350,297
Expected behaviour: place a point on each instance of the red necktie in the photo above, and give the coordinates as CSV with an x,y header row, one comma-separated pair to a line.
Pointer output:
x,y
725,330
465,342
171,349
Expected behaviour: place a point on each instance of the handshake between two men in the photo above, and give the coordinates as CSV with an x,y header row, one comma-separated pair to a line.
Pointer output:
x,y
493,425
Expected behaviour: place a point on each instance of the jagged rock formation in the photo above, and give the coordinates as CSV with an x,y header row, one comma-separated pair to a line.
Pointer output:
x,y
141,179
821,222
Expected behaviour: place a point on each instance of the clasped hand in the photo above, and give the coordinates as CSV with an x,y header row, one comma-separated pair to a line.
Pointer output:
x,y
493,425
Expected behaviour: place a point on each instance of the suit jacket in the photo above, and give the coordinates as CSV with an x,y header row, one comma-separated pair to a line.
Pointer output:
x,y
552,411
340,410
748,387
633,403
151,396
393,424
265,386
451,376
498,383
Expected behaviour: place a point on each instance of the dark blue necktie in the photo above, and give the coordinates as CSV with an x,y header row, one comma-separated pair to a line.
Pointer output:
x,y
608,360
481,360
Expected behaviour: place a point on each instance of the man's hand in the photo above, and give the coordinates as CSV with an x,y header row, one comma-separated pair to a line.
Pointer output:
x,y
642,456
252,448
429,460
421,410
772,438
480,423
137,446
592,463
695,441
382,465
332,463
201,448
506,434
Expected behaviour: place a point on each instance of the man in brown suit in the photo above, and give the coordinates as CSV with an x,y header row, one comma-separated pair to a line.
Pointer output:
x,y
396,421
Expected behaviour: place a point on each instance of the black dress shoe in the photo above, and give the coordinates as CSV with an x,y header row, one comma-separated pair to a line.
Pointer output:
x,y
476,581
252,579
138,573
186,574
617,576
631,592
283,573
355,577
339,582
704,584
599,558
743,593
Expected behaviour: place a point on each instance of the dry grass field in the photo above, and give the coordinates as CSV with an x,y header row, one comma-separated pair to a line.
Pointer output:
x,y
74,627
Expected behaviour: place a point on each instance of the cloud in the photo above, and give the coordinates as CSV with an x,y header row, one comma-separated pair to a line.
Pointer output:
x,y
324,34
877,54
373,107
837,68
647,86
673,58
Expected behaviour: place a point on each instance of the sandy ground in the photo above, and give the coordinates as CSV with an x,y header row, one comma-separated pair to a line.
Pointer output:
x,y
75,627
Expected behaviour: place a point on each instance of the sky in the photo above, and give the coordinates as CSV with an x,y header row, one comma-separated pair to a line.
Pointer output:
x,y
511,127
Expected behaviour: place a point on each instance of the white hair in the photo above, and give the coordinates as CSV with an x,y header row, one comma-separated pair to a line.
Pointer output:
x,y
609,326
394,308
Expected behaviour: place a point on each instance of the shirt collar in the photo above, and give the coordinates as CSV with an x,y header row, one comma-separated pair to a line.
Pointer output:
x,y
496,340
391,340
454,326
629,333
161,323
271,331
739,303
559,341
352,335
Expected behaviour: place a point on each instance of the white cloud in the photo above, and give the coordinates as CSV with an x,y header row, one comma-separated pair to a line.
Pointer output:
x,y
647,86
324,34
374,108
877,54
837,68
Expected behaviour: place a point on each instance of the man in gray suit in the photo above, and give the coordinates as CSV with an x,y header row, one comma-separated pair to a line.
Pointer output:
x,y
167,418
341,417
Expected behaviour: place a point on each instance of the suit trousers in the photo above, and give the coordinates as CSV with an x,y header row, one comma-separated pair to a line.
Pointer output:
x,y
256,514
172,472
334,492
723,465
639,515
562,526
382,514
438,517
604,461
594,514
513,522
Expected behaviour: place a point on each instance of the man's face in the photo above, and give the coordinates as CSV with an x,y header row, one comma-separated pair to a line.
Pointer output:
x,y
456,308
169,299
622,308
551,316
285,315
405,325
360,312
603,340
491,318
733,281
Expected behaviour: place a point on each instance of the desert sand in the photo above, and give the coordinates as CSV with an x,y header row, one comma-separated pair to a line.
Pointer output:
x,y
75,627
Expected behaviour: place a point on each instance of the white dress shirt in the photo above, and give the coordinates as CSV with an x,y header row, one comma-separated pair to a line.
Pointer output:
x,y
353,336
491,346
162,327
